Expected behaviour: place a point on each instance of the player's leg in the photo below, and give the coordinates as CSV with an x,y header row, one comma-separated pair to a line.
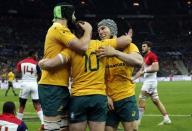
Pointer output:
x,y
78,113
8,88
38,109
97,112
142,100
54,100
80,126
112,121
96,126
22,103
161,107
128,113
36,103
13,90
23,96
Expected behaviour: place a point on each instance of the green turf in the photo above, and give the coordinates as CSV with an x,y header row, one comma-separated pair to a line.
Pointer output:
x,y
176,96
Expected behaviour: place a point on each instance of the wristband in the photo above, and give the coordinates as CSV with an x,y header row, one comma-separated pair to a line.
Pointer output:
x,y
61,58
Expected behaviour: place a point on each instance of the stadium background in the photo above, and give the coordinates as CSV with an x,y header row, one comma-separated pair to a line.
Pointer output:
x,y
167,23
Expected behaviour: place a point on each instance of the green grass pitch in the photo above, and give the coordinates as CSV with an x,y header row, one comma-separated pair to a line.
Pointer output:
x,y
176,96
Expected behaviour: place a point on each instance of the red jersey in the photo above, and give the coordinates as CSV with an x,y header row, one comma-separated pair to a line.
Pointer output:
x,y
149,59
10,122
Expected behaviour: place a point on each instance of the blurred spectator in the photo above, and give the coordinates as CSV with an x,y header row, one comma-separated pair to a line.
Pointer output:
x,y
8,120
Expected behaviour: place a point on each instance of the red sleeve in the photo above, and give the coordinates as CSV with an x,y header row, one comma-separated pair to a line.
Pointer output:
x,y
153,58
19,67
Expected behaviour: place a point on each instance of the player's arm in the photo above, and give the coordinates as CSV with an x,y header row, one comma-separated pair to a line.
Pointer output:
x,y
82,43
124,40
139,73
38,72
110,103
62,58
154,67
133,58
47,64
18,74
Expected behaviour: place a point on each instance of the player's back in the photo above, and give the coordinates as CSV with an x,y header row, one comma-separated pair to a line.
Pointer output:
x,y
28,68
88,70
57,39
11,76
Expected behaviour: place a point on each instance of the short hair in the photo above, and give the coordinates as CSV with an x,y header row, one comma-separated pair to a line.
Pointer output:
x,y
110,24
148,43
9,107
31,53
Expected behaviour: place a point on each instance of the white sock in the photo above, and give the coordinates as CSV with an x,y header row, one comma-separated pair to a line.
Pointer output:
x,y
20,116
40,115
141,112
166,117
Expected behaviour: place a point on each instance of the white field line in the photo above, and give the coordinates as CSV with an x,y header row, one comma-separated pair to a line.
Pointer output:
x,y
147,115
174,115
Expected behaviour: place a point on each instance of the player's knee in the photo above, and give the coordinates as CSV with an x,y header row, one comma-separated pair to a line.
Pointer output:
x,y
142,97
22,102
129,126
35,101
155,101
36,105
64,123
142,100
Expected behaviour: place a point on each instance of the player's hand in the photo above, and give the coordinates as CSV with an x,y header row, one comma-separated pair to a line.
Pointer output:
x,y
110,103
130,32
85,26
41,63
129,35
106,51
142,72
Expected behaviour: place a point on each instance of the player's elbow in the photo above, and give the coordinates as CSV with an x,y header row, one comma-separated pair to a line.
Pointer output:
x,y
80,46
123,42
138,60
157,69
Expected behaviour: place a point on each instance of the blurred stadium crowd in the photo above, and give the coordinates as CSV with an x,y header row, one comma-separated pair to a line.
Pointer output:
x,y
172,40
168,24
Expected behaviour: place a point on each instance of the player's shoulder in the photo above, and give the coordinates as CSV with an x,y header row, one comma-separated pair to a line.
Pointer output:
x,y
131,48
58,27
28,60
132,44
93,43
152,53
10,118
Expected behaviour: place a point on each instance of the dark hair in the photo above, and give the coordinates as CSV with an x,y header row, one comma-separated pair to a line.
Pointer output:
x,y
148,43
31,53
9,107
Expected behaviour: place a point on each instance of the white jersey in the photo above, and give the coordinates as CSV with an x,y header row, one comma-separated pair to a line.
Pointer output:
x,y
9,122
29,69
150,76
149,58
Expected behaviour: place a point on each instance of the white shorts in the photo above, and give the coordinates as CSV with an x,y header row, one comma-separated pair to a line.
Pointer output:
x,y
29,89
150,88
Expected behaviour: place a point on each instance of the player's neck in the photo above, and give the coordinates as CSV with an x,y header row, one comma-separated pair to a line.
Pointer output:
x,y
147,52
63,22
